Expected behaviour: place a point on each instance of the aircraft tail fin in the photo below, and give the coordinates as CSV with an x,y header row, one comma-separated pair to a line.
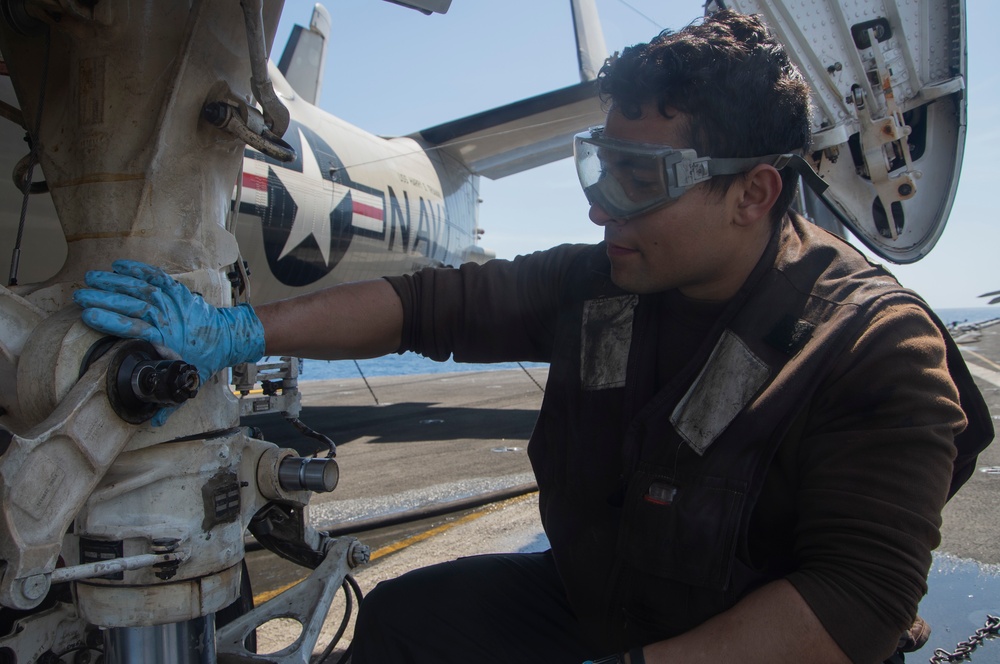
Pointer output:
x,y
305,53
531,132
590,48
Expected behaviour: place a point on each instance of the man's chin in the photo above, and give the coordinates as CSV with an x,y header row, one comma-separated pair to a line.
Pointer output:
x,y
631,283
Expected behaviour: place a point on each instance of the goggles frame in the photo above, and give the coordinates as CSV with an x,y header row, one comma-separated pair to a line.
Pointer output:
x,y
679,169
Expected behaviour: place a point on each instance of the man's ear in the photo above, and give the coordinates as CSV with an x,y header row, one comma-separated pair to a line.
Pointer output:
x,y
761,188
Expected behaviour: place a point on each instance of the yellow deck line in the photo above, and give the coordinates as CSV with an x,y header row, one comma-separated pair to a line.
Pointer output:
x,y
409,541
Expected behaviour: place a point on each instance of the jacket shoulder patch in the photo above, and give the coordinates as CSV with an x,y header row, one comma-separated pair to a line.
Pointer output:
x,y
726,384
606,336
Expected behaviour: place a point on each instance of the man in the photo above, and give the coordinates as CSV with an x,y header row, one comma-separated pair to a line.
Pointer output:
x,y
748,431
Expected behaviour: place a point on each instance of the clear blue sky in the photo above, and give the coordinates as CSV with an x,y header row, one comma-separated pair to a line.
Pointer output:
x,y
391,70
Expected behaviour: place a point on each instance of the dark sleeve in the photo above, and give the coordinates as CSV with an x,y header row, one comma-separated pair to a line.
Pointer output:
x,y
875,465
495,312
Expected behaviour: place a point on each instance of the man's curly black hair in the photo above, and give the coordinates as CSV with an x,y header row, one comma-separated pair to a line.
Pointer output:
x,y
733,80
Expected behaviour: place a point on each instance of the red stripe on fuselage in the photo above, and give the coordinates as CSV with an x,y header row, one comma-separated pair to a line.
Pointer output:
x,y
251,181
367,210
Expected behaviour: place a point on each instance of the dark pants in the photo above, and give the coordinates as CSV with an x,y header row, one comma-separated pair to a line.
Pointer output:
x,y
502,609
492,609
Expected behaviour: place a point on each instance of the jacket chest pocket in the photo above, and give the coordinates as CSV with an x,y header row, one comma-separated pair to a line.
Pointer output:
x,y
682,528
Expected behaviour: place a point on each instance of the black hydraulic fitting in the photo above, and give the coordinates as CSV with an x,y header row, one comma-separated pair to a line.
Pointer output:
x,y
166,382
141,382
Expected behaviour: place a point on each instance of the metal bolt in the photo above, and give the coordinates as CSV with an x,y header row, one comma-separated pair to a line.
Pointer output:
x,y
164,544
905,189
216,113
359,554
34,587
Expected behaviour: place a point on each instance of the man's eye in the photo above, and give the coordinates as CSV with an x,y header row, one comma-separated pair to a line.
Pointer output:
x,y
643,182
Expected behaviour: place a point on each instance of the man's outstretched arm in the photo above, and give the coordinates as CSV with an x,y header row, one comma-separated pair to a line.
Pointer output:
x,y
349,321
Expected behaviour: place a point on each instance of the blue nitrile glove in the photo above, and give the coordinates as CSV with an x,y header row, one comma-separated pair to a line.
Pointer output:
x,y
139,301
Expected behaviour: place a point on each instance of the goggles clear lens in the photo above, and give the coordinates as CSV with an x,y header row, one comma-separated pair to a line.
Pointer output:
x,y
627,179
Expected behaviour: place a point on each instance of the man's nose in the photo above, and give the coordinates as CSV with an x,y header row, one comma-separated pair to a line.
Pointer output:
x,y
599,216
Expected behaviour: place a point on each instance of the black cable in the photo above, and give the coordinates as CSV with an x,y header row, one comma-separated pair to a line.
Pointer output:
x,y
348,610
641,14
531,377
349,585
312,433
358,366
15,257
346,657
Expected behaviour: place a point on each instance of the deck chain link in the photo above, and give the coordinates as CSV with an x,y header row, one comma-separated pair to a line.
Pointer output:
x,y
963,651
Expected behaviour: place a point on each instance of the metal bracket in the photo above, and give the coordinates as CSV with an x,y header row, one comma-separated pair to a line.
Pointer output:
x,y
878,134
41,492
279,387
57,629
307,602
250,126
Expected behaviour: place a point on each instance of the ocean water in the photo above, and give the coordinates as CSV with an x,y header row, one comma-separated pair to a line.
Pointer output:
x,y
411,363
395,365
968,316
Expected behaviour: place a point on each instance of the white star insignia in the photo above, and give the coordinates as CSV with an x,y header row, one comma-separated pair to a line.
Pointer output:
x,y
315,197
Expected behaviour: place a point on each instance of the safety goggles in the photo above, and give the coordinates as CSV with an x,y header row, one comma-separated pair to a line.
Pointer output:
x,y
627,179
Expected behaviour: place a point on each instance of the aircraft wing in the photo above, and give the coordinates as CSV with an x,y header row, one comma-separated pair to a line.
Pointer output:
x,y
513,138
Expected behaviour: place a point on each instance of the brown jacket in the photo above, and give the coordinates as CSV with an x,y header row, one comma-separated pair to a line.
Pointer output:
x,y
805,431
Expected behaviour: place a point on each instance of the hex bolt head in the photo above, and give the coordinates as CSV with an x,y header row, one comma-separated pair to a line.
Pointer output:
x,y
358,555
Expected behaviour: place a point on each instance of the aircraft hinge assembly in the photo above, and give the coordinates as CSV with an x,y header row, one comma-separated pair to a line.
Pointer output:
x,y
275,113
260,129
249,125
884,136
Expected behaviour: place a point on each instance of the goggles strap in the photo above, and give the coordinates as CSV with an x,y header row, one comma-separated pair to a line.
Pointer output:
x,y
779,161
